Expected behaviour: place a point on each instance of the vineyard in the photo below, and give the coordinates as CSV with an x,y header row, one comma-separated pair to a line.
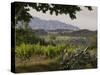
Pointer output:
x,y
47,53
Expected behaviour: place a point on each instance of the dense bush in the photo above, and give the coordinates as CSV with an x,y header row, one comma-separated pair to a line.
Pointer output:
x,y
28,37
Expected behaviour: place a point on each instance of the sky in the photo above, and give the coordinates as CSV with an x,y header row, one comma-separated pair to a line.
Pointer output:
x,y
85,19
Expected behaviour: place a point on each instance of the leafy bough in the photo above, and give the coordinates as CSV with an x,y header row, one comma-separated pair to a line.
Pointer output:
x,y
71,61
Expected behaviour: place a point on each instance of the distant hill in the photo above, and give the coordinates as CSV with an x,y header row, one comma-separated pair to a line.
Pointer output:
x,y
83,32
37,23
66,32
44,27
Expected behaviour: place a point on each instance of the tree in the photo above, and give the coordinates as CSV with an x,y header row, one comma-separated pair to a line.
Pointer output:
x,y
21,12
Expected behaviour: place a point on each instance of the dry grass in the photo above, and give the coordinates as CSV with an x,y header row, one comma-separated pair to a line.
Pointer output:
x,y
37,64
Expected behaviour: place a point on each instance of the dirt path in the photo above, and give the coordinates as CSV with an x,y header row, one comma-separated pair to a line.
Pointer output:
x,y
37,64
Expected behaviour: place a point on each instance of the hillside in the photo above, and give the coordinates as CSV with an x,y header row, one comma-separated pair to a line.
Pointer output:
x,y
37,23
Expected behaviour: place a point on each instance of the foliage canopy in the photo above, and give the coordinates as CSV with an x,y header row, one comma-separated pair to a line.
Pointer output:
x,y
21,12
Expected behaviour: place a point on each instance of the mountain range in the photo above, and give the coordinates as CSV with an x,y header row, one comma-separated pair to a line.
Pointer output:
x,y
37,23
